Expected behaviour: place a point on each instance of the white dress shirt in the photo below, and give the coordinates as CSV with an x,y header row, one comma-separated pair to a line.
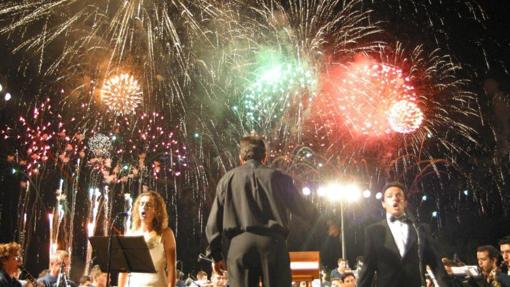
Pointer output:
x,y
400,232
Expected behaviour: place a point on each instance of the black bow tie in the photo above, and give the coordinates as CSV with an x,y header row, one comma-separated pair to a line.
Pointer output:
x,y
402,218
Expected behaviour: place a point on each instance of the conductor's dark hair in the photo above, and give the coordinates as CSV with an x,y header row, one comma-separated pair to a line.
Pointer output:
x,y
252,147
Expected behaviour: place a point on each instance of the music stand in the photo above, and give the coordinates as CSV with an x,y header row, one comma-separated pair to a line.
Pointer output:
x,y
128,254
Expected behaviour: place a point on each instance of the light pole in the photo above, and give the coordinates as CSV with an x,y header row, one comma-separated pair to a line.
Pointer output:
x,y
342,233
343,193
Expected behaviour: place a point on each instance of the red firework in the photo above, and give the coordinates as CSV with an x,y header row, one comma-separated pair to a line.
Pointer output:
x,y
364,95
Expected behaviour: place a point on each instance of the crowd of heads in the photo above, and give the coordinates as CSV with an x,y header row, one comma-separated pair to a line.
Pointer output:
x,y
96,278
202,279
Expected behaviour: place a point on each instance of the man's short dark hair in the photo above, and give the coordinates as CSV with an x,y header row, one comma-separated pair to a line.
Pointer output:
x,y
491,251
393,184
505,240
347,274
252,147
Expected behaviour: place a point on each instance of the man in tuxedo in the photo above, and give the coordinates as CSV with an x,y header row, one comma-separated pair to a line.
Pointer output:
x,y
395,251
504,247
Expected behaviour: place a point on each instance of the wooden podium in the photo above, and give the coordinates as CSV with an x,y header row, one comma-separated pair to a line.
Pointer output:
x,y
305,266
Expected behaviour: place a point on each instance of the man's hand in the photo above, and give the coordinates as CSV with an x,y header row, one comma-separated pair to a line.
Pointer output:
x,y
219,266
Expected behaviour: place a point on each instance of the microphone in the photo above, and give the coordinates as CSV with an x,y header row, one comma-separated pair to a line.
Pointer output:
x,y
61,275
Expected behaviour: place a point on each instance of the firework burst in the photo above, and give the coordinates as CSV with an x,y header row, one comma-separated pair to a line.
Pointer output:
x,y
420,106
122,94
74,40
366,92
405,117
100,145
265,70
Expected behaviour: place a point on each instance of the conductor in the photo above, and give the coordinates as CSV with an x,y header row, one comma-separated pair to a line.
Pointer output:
x,y
251,208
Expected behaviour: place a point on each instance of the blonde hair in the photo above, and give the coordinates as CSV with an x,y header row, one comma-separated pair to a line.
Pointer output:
x,y
95,273
58,256
160,221
7,250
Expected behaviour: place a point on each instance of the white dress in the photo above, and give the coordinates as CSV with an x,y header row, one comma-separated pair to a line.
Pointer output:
x,y
157,251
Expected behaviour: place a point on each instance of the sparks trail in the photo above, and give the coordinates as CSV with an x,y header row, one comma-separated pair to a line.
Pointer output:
x,y
74,39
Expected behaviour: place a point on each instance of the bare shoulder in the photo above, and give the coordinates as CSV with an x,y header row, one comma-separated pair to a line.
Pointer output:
x,y
168,237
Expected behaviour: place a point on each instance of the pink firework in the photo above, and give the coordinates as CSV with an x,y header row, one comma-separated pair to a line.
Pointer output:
x,y
41,138
364,93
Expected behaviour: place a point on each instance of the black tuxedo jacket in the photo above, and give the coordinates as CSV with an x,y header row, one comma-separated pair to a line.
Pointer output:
x,y
382,256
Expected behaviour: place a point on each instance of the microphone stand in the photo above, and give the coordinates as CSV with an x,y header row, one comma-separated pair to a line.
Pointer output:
x,y
420,262
62,276
109,248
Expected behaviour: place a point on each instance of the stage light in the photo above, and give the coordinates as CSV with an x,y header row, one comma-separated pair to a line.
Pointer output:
x,y
352,192
333,191
434,214
466,192
307,191
7,97
342,192
321,191
424,198
378,195
367,193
